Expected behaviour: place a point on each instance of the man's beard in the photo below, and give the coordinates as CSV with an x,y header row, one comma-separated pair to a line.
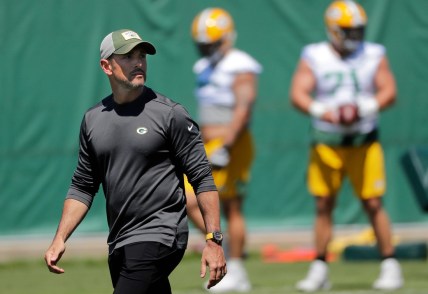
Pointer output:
x,y
130,84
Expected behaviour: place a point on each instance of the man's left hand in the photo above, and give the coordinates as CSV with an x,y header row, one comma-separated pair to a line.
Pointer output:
x,y
213,257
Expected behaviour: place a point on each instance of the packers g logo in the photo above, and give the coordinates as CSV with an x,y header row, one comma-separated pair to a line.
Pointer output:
x,y
141,131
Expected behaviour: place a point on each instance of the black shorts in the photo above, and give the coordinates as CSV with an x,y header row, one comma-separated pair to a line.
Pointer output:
x,y
143,268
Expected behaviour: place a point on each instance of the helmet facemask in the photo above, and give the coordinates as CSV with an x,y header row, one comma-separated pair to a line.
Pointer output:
x,y
346,40
210,50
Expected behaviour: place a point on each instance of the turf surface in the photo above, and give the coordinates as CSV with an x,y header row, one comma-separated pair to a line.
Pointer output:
x,y
92,277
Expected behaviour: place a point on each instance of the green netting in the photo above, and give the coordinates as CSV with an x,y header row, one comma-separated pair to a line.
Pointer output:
x,y
50,53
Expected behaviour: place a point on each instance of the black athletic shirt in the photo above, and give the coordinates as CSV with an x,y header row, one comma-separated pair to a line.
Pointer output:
x,y
139,151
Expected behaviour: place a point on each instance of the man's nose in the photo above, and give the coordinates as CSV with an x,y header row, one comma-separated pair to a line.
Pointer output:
x,y
139,61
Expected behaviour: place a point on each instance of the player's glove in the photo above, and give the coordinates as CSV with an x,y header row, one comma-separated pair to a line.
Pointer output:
x,y
220,158
367,106
317,109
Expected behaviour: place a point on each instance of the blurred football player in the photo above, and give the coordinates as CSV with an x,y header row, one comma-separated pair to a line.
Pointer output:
x,y
226,88
343,84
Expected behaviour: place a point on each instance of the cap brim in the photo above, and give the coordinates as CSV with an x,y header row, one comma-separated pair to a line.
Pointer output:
x,y
148,47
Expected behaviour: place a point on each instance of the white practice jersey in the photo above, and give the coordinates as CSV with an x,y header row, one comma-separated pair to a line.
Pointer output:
x,y
344,80
214,84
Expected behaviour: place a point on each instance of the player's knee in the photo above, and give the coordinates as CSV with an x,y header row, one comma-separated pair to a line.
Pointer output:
x,y
325,205
372,206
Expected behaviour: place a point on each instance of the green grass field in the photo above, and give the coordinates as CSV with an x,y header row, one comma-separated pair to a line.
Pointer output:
x,y
92,277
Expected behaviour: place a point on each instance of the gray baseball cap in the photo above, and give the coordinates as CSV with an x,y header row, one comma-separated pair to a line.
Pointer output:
x,y
123,41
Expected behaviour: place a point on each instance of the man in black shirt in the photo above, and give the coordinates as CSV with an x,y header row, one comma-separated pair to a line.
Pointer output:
x,y
138,143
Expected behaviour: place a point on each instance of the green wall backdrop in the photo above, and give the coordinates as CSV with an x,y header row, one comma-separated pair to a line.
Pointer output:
x,y
50,76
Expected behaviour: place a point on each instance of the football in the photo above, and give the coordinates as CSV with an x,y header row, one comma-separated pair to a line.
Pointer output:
x,y
348,114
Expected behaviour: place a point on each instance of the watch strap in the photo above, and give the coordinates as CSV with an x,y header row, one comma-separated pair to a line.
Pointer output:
x,y
215,236
209,236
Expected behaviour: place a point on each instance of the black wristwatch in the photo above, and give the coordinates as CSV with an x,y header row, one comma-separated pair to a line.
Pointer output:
x,y
215,236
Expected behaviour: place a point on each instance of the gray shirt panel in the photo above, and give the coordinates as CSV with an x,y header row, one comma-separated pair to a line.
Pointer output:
x,y
139,151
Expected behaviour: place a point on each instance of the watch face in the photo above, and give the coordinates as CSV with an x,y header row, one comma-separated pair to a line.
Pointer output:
x,y
218,236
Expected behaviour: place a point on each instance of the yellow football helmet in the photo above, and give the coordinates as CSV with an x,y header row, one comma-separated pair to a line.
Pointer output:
x,y
213,32
345,21
212,25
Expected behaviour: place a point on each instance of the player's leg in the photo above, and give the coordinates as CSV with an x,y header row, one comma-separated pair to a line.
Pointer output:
x,y
236,226
324,180
231,182
381,225
367,175
317,276
390,277
237,277
323,227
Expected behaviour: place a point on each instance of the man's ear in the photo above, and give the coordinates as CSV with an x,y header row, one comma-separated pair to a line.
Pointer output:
x,y
106,67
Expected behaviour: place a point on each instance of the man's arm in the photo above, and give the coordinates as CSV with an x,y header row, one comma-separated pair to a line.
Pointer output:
x,y
209,205
385,91
73,213
302,85
245,91
212,255
385,85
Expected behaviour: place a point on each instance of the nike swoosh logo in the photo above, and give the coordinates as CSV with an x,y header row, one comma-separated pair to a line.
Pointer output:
x,y
190,128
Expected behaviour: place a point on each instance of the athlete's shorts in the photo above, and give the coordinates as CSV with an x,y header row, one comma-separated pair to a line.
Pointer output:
x,y
143,267
364,166
232,180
